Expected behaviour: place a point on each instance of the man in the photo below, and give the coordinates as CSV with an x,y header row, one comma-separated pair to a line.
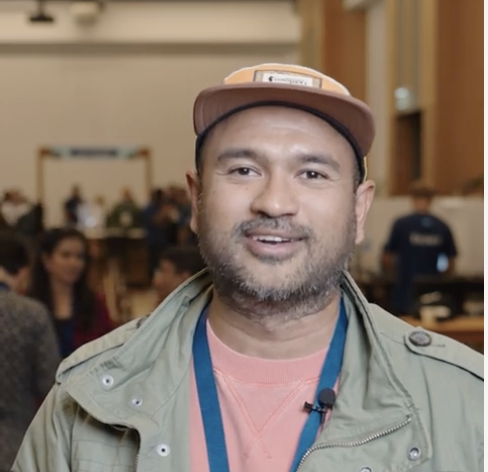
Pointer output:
x,y
28,350
176,265
238,370
415,247
14,207
161,227
126,214
71,206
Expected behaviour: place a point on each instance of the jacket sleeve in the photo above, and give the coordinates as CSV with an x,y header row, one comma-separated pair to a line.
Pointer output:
x,y
46,446
46,357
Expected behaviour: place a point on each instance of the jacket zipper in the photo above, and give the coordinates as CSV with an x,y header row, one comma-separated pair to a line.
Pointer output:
x,y
357,443
126,428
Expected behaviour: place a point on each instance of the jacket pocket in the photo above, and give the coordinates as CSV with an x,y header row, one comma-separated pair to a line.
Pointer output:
x,y
99,466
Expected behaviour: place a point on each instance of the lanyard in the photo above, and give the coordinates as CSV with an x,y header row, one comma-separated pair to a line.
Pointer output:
x,y
209,400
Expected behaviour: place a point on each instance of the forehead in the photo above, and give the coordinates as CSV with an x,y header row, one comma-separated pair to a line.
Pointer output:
x,y
277,126
71,243
166,264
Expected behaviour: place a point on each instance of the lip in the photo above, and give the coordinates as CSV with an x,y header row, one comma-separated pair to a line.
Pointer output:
x,y
283,250
274,233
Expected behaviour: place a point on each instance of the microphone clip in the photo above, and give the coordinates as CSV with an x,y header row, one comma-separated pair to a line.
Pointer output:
x,y
322,410
311,407
326,400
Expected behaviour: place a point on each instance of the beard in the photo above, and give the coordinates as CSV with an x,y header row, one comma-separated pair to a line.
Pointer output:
x,y
305,290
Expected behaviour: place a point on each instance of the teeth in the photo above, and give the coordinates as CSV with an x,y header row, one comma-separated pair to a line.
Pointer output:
x,y
271,239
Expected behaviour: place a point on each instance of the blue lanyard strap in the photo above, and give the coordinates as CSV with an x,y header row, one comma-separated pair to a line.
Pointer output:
x,y
209,400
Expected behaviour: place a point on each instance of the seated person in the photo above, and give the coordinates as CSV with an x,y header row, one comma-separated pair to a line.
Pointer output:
x,y
176,265
417,242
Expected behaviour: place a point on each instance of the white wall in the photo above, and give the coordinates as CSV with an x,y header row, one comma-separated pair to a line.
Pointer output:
x,y
131,80
168,22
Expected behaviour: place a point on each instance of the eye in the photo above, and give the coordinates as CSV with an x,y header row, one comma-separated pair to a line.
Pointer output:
x,y
243,171
313,175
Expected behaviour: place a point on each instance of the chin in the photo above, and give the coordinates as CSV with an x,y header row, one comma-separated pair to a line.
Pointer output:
x,y
277,267
71,280
270,275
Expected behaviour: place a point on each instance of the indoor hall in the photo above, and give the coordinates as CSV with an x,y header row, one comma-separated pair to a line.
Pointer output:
x,y
106,213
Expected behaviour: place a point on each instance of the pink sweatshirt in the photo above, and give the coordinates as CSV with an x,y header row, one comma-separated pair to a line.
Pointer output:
x,y
262,408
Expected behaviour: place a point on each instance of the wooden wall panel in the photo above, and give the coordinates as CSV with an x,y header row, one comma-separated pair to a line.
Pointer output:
x,y
450,95
459,133
344,47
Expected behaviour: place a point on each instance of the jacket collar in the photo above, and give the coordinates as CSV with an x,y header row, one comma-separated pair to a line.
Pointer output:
x,y
157,358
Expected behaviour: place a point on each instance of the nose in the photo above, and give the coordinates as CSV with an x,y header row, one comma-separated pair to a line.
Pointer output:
x,y
276,198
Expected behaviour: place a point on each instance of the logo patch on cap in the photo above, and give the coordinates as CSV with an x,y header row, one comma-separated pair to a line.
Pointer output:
x,y
280,77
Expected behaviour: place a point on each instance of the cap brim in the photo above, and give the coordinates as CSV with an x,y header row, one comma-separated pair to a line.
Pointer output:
x,y
352,114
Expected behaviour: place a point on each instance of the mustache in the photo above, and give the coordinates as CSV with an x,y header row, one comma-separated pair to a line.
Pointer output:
x,y
278,224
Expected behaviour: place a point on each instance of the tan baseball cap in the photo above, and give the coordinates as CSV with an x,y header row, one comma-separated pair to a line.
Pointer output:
x,y
288,85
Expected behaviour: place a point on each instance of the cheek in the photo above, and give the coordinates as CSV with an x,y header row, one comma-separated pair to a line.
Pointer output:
x,y
227,202
55,264
80,263
218,214
329,216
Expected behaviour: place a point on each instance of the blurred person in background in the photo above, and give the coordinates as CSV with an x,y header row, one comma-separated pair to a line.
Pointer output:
x,y
3,223
59,281
6,198
416,244
29,354
176,265
31,224
71,206
161,219
126,214
152,228
93,215
14,207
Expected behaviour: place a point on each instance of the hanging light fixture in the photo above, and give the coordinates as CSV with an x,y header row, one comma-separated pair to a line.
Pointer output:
x,y
40,16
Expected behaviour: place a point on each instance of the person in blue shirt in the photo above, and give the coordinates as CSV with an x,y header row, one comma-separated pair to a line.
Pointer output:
x,y
415,247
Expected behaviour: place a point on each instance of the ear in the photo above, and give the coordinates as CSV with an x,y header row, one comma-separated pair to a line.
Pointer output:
x,y
364,199
194,189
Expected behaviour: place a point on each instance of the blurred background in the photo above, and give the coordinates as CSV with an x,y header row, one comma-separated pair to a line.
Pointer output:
x,y
96,124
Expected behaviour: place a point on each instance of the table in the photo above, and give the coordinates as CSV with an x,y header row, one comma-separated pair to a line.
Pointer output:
x,y
465,329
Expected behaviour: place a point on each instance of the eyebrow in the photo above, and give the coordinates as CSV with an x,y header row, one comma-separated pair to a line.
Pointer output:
x,y
239,153
323,159
305,158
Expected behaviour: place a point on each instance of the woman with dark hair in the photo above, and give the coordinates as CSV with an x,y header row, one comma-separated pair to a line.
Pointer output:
x,y
59,281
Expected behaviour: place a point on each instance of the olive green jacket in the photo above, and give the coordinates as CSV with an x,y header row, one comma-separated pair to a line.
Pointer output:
x,y
408,400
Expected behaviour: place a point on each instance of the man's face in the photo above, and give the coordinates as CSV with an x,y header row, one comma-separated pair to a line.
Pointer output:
x,y
275,208
422,204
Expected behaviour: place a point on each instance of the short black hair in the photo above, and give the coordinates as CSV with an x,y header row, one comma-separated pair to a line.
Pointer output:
x,y
14,255
184,258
